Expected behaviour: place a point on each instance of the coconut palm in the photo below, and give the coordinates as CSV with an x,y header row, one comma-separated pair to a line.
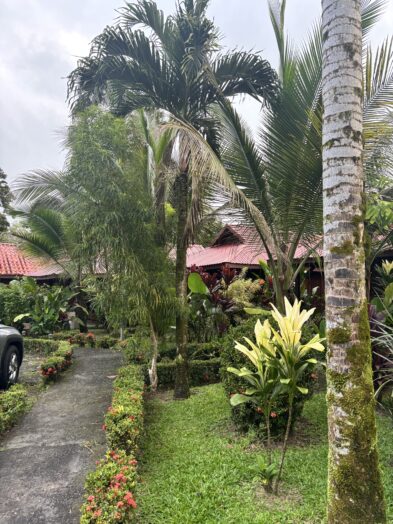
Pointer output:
x,y
355,491
277,180
171,64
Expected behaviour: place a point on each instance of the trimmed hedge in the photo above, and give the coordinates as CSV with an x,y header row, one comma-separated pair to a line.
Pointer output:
x,y
108,497
13,403
40,345
201,372
58,362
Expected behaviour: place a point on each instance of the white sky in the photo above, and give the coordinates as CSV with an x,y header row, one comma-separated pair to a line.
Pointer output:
x,y
40,41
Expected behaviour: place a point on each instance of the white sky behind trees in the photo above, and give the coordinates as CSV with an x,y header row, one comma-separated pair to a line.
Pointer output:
x,y
40,41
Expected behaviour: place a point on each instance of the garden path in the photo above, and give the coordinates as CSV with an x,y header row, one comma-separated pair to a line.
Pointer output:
x,y
45,458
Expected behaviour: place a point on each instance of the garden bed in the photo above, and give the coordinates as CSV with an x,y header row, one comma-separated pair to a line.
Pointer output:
x,y
196,468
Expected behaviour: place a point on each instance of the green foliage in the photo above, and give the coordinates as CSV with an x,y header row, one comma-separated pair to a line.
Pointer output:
x,y
48,304
243,292
218,465
83,339
56,363
111,500
15,298
247,416
13,403
201,372
108,497
124,419
40,345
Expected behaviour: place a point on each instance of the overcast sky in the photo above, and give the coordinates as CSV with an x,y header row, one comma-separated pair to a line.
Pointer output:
x,y
40,41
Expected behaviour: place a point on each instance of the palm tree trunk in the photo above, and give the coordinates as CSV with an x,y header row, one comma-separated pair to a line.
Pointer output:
x,y
355,492
182,387
153,376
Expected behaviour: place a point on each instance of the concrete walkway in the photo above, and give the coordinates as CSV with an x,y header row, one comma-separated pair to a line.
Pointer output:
x,y
45,458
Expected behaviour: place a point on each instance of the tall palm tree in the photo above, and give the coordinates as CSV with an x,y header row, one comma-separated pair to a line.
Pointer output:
x,y
170,64
355,492
277,180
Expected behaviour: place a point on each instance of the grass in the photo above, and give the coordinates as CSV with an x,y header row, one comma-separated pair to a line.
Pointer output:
x,y
196,470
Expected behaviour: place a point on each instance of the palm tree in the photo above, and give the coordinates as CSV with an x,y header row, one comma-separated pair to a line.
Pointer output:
x,y
355,492
277,180
171,64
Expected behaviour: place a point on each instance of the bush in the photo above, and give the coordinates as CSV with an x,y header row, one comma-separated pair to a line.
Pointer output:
x,y
56,363
13,403
201,372
109,498
246,416
124,419
111,484
83,339
106,342
64,335
40,345
137,349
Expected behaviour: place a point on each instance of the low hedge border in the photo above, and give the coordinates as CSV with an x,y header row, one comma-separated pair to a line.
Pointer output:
x,y
56,363
109,497
202,372
40,345
13,403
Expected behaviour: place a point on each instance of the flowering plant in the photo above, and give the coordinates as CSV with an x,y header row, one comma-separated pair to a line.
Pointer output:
x,y
110,488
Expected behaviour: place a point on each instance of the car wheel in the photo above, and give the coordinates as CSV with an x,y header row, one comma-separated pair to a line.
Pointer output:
x,y
10,368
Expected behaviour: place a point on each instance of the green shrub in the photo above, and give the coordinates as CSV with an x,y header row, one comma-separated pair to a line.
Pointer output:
x,y
64,335
55,364
106,342
137,349
109,498
83,339
110,485
246,416
124,419
13,403
42,346
201,372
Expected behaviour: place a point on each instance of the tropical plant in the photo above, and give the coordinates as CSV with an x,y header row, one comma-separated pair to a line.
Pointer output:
x,y
48,309
277,181
355,490
210,308
280,360
171,64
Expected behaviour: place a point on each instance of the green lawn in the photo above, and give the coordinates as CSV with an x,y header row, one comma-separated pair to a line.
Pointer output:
x,y
196,470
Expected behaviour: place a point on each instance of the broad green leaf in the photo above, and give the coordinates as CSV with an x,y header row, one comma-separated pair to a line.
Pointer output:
x,y
196,284
303,390
240,399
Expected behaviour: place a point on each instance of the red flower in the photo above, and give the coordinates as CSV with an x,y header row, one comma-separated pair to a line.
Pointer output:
x,y
259,410
97,513
120,504
273,414
91,498
104,427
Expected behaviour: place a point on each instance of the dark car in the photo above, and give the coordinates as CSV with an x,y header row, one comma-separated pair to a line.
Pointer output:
x,y
11,355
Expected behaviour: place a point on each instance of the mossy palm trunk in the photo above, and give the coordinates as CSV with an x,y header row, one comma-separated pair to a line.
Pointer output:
x,y
182,387
355,492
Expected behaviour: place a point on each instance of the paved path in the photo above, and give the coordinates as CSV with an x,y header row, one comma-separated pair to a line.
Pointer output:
x,y
45,458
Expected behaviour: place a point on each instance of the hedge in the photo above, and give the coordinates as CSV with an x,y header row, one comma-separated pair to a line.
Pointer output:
x,y
56,363
40,345
13,403
201,372
108,497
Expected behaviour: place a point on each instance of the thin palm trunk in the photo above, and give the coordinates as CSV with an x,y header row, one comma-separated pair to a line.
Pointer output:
x,y
355,492
182,387
284,447
269,438
153,376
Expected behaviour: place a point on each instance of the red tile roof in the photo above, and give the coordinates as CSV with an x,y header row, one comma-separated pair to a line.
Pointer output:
x,y
14,263
237,246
